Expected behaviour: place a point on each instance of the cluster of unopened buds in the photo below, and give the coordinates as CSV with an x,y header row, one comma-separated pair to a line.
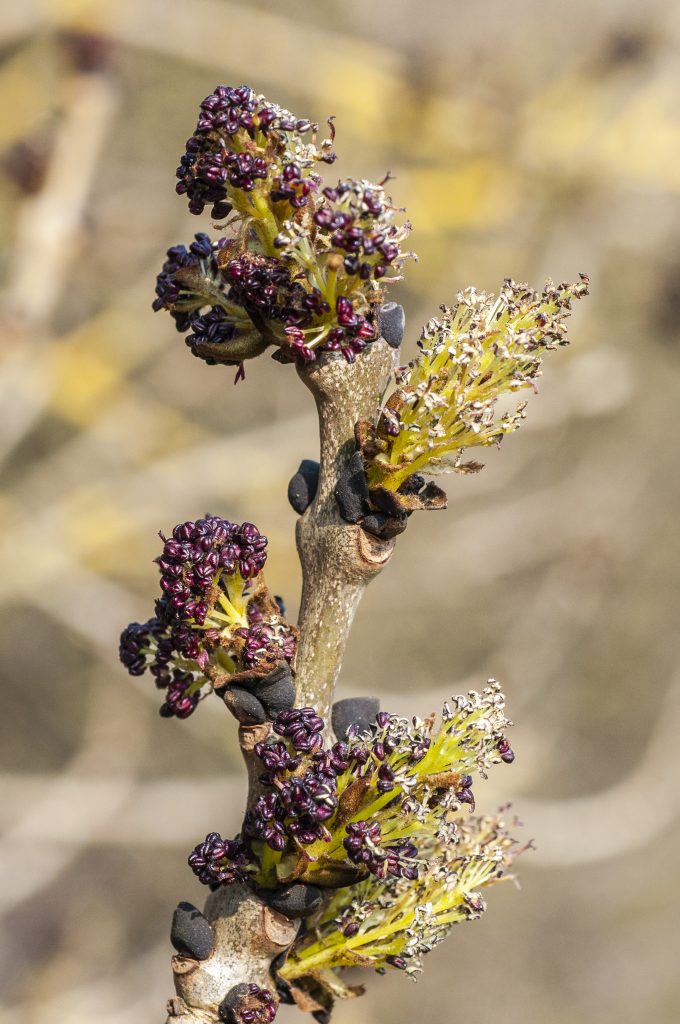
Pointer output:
x,y
301,265
216,623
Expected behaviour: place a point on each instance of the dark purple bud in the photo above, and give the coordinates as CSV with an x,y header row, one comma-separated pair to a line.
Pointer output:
x,y
506,751
220,861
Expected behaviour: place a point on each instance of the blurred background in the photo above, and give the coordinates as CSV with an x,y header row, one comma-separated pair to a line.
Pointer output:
x,y
527,139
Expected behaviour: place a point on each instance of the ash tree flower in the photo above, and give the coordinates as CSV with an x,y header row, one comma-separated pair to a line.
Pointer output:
x,y
385,804
303,267
447,399
216,623
393,922
218,861
243,149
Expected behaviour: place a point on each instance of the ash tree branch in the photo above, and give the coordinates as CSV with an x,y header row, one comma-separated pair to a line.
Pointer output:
x,y
338,559
233,942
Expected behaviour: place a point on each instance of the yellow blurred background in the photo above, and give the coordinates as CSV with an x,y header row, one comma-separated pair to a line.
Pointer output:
x,y
527,139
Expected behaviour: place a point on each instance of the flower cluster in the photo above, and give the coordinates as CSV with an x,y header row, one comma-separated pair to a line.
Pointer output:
x,y
191,287
296,809
369,803
265,286
394,922
357,221
218,861
215,617
446,401
242,147
363,846
302,726
302,267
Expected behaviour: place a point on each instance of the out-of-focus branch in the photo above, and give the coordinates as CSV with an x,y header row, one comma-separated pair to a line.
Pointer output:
x,y
48,231
53,218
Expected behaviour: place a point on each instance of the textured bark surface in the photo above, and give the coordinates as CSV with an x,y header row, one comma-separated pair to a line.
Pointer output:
x,y
338,560
248,935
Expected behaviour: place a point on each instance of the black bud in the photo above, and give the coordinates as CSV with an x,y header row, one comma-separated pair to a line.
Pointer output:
x,y
413,484
295,900
276,692
226,1008
351,490
391,323
282,989
383,526
191,935
244,705
359,711
303,486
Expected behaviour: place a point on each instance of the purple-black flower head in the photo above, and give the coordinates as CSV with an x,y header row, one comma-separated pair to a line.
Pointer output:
x,y
302,726
237,147
214,617
220,861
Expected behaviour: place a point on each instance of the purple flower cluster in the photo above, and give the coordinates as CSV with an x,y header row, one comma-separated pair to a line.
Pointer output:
x,y
211,328
236,145
295,809
307,284
181,696
204,566
266,642
136,639
298,803
151,646
293,187
263,284
255,1006
357,219
277,759
172,292
199,551
302,726
218,861
187,286
363,846
350,335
